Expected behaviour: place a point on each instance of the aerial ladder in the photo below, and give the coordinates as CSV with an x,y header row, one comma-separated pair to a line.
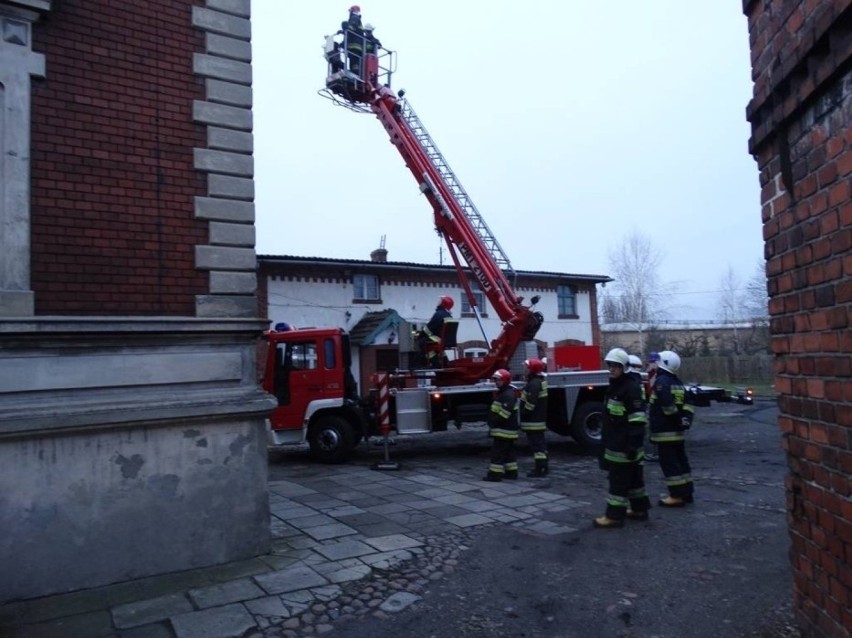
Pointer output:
x,y
362,82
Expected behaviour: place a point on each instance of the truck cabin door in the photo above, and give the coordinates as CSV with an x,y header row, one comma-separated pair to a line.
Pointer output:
x,y
299,379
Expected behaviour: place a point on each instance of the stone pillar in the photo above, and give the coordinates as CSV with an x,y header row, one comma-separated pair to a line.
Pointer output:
x,y
18,63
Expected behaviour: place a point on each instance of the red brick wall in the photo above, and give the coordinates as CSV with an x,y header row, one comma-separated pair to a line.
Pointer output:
x,y
113,228
801,138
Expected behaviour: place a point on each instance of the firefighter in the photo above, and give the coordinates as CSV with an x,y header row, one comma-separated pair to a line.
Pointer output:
x,y
430,335
353,35
622,437
636,371
503,429
533,410
671,416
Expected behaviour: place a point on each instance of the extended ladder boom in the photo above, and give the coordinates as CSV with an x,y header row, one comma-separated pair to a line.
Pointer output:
x,y
456,218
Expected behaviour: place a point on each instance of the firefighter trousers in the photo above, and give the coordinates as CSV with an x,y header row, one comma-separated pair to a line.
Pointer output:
x,y
626,487
676,470
537,443
503,457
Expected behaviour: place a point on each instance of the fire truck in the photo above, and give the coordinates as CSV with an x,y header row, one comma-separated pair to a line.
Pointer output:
x,y
308,370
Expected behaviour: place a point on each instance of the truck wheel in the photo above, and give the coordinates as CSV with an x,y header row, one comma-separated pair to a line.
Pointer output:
x,y
587,423
331,439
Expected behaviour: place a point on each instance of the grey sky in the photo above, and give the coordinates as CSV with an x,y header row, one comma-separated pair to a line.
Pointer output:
x,y
569,124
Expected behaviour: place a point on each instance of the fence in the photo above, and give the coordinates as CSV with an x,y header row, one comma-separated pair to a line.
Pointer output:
x,y
732,369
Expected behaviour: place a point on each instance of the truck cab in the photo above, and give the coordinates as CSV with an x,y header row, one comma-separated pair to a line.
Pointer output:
x,y
309,373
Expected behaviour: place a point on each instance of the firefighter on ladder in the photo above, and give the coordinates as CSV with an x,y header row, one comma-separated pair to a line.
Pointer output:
x,y
429,338
534,414
503,429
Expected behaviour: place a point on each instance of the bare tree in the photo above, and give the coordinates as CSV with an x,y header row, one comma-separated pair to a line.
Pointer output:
x,y
731,304
635,267
756,300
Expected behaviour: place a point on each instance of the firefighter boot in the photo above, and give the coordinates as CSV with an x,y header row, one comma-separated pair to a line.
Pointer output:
x,y
493,477
604,522
540,469
672,501
634,515
511,475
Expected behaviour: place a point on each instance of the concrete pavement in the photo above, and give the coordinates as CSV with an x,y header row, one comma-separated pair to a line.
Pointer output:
x,y
333,527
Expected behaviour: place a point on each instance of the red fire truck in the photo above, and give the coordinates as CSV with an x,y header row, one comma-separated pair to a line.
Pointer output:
x,y
308,370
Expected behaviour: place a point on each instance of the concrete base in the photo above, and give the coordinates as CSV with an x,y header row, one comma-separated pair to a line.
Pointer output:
x,y
127,449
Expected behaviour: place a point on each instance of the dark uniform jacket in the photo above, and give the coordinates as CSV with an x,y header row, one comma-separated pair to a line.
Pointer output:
x,y
437,321
670,415
623,432
534,404
503,415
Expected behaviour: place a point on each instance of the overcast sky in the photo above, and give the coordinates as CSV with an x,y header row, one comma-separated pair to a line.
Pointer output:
x,y
569,123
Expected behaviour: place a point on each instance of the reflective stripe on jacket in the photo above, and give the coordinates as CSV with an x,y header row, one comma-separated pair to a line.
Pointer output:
x,y
503,415
534,404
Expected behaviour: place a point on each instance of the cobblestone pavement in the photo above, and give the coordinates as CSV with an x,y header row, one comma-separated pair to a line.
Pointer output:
x,y
349,543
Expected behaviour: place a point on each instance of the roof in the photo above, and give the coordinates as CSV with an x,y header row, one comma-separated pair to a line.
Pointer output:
x,y
407,265
369,327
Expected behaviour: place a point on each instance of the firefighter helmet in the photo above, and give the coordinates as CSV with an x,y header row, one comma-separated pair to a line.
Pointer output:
x,y
618,356
635,362
501,377
355,9
534,365
446,302
368,27
669,361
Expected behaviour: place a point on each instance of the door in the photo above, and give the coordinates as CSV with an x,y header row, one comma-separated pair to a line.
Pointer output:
x,y
299,379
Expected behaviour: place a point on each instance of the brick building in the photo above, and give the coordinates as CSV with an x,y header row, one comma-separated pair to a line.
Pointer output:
x,y
801,136
132,431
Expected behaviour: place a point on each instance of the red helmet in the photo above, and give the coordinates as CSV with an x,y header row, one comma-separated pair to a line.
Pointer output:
x,y
501,377
446,302
355,9
534,365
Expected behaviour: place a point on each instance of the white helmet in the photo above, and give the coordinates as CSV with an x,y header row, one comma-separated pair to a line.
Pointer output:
x,y
368,27
619,356
669,361
635,362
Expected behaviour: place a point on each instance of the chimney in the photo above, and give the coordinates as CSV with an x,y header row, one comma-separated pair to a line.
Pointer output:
x,y
380,254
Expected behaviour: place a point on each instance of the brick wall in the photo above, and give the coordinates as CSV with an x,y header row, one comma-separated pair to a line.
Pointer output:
x,y
801,137
113,224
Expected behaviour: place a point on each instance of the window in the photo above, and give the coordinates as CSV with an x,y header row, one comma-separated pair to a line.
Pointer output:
x,y
302,356
567,298
480,303
366,288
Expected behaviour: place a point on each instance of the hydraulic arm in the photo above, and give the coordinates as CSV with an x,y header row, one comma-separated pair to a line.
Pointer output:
x,y
466,234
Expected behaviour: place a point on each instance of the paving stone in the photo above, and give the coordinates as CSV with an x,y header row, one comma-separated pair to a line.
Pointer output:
x,y
216,595
158,630
455,499
349,574
345,549
392,542
385,528
269,606
478,505
388,508
230,621
149,611
469,520
386,560
345,510
286,488
329,592
398,601
290,579
316,520
324,532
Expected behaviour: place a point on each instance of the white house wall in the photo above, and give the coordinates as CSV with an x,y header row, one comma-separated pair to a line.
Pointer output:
x,y
326,303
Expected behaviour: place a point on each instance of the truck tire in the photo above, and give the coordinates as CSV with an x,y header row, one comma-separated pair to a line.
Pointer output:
x,y
331,439
587,423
